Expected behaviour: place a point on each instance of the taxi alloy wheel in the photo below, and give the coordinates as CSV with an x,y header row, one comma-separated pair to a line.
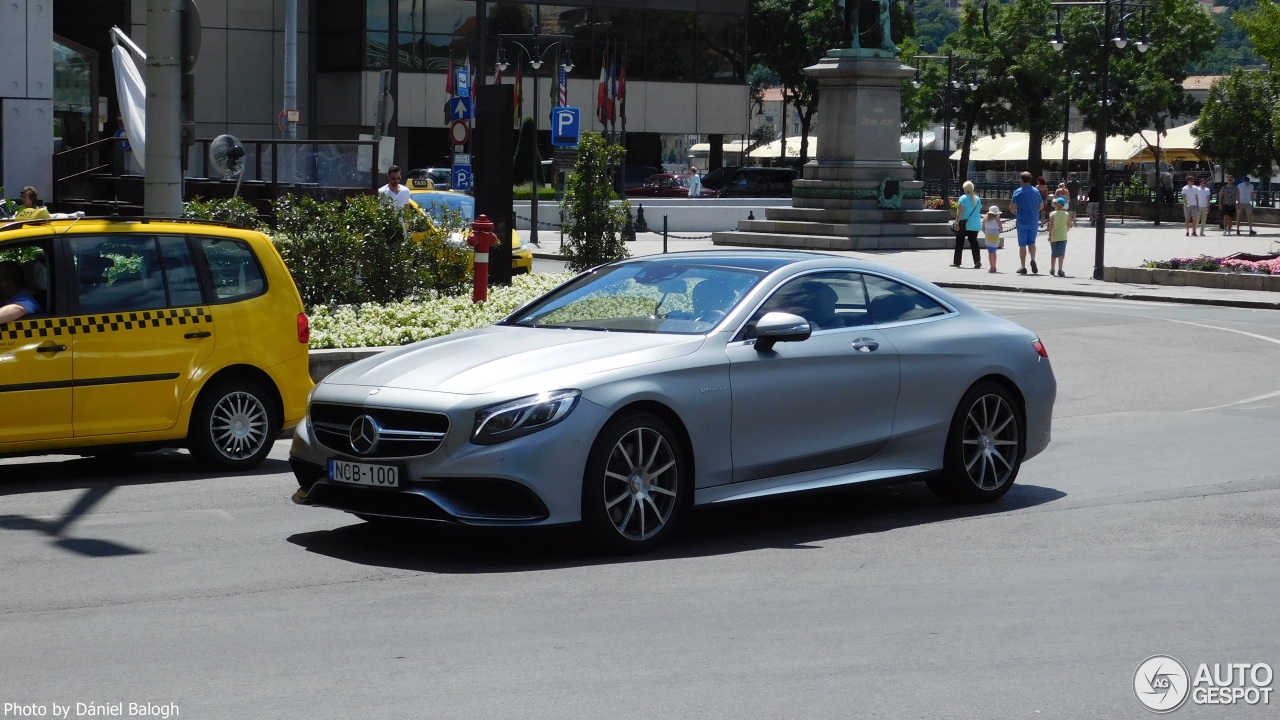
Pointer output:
x,y
234,425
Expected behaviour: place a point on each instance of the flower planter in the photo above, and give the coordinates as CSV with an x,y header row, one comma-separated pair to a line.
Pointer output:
x,y
1193,278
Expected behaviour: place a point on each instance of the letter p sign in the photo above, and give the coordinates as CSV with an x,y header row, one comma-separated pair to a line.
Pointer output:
x,y
565,126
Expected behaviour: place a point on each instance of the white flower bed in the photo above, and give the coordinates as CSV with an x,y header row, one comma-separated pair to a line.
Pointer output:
x,y
374,325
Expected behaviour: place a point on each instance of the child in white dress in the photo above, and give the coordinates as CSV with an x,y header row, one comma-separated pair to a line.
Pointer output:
x,y
992,226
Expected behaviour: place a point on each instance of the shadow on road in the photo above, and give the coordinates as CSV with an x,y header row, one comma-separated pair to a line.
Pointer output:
x,y
115,470
98,477
797,522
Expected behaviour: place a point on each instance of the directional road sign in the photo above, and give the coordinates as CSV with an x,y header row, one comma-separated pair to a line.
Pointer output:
x,y
566,126
460,108
462,177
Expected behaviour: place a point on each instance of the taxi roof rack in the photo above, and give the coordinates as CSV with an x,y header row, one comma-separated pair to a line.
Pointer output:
x,y
141,219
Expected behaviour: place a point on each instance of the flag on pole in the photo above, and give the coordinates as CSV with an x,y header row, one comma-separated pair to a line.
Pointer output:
x,y
497,74
602,95
448,79
564,87
622,89
471,80
519,96
613,89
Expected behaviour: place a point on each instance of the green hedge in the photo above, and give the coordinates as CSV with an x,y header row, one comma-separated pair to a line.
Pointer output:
x,y
355,250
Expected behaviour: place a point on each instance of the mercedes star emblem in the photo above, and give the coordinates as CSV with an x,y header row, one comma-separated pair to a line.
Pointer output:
x,y
364,435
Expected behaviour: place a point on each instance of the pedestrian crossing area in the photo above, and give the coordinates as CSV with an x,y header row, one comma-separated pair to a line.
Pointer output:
x,y
1001,302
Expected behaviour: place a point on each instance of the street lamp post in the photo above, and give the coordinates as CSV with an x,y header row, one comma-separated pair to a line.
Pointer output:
x,y
1120,40
535,52
953,81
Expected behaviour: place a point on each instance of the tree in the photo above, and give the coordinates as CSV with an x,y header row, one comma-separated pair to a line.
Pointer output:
x,y
1237,124
934,22
1232,50
1146,88
593,226
1262,25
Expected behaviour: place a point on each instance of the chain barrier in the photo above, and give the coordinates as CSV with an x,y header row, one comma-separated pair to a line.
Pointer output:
x,y
673,236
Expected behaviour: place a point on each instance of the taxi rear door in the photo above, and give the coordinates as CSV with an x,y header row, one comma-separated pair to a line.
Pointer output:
x,y
142,333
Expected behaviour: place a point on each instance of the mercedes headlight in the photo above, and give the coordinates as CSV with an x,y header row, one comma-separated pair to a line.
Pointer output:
x,y
524,416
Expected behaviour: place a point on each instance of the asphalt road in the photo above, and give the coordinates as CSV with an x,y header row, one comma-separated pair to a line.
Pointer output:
x,y
1148,527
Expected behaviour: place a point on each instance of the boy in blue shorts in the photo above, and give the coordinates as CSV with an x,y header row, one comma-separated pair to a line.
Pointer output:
x,y
1026,206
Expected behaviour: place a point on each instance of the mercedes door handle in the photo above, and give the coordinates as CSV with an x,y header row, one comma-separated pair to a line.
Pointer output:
x,y
865,345
197,335
51,348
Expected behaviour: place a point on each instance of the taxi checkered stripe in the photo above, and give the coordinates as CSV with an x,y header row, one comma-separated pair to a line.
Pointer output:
x,y
87,324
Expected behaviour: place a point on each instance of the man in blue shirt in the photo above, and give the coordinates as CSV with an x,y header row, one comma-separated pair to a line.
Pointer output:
x,y
17,302
1026,205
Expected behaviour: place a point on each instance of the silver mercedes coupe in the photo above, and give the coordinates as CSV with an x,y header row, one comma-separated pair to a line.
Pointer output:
x,y
641,388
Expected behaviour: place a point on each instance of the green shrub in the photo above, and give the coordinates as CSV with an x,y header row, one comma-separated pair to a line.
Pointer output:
x,y
236,211
593,227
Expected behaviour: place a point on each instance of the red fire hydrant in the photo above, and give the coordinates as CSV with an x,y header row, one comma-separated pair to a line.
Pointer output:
x,y
481,238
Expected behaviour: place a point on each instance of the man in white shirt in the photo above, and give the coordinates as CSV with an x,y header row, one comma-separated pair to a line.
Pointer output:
x,y
1190,205
398,193
1205,195
1244,206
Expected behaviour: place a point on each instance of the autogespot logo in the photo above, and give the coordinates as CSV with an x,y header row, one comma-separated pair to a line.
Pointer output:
x,y
1161,683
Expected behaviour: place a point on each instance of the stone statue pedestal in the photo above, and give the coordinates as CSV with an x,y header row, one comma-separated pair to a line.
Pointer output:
x,y
857,193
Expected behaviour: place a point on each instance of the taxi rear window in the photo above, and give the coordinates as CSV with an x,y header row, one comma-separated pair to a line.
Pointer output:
x,y
234,268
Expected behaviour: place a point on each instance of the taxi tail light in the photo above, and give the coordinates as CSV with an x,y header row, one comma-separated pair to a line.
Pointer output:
x,y
304,329
1039,347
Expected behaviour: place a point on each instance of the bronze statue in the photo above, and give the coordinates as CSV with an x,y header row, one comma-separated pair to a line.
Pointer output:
x,y
878,17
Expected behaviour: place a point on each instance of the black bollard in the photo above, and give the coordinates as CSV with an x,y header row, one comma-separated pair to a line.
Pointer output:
x,y
751,215
629,230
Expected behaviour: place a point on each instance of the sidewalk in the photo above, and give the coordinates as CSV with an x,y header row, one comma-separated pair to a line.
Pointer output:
x,y
1128,244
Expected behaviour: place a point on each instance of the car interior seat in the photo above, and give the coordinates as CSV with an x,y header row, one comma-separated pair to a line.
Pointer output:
x,y
711,299
35,277
890,307
822,305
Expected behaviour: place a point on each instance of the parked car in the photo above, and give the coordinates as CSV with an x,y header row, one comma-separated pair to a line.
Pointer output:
x,y
739,181
151,333
439,204
662,185
641,388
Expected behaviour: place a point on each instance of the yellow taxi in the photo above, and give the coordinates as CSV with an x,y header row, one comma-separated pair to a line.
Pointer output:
x,y
149,333
437,203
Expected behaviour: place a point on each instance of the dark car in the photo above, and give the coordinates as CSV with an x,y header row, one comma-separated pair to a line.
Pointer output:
x,y
662,185
738,181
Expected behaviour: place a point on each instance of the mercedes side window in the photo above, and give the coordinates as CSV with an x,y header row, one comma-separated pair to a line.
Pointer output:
x,y
233,268
117,273
34,262
891,301
825,300
180,272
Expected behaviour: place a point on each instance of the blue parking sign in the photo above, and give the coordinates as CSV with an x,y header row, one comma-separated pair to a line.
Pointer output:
x,y
566,126
462,177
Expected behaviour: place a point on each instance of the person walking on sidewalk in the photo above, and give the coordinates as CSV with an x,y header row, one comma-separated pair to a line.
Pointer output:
x,y
968,223
1190,205
1244,205
992,226
1043,186
1059,222
1227,198
695,182
1027,202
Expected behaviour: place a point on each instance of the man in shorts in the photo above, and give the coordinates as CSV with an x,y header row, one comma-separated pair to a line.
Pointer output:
x,y
1190,205
1244,205
1227,197
1026,205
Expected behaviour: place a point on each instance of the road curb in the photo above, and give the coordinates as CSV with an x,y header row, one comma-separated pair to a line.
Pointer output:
x,y
1118,295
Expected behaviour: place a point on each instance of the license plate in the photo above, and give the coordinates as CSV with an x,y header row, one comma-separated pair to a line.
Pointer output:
x,y
364,474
